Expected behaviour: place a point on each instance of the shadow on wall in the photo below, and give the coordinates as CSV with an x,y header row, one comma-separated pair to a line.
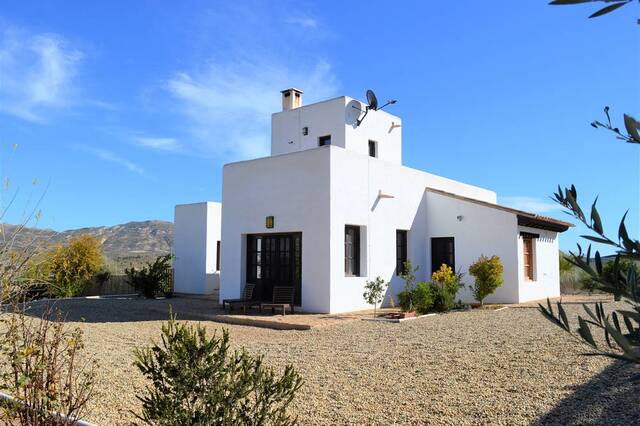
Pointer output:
x,y
416,253
127,309
610,398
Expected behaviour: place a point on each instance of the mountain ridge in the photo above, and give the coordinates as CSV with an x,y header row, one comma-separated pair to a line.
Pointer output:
x,y
136,238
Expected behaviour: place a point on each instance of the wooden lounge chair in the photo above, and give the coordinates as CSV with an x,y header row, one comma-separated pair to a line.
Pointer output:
x,y
283,298
247,297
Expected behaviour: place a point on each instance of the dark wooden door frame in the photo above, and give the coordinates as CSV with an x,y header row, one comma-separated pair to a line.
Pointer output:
x,y
278,255
435,240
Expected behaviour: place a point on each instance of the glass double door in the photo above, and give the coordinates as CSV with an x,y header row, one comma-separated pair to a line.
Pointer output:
x,y
274,260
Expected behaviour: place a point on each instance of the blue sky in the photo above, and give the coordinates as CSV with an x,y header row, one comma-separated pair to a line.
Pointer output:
x,y
127,108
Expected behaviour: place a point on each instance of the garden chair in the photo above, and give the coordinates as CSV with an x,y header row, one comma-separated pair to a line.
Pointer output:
x,y
247,297
283,298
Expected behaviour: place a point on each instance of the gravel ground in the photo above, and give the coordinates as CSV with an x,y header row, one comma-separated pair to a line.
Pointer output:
x,y
478,367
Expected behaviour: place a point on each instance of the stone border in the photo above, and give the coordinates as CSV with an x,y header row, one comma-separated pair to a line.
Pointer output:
x,y
397,320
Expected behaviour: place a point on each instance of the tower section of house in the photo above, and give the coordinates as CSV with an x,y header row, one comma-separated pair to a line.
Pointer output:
x,y
196,248
333,207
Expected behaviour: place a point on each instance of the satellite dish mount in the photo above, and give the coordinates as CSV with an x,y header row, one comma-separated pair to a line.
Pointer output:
x,y
372,101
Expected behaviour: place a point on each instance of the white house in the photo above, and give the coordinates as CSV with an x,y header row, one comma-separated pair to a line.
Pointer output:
x,y
333,207
196,246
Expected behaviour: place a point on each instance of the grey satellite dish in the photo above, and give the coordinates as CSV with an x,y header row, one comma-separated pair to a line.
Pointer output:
x,y
372,101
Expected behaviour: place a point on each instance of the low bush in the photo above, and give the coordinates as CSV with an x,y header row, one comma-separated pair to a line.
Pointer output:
x,y
444,287
44,371
422,298
153,278
488,276
443,299
405,297
405,300
197,380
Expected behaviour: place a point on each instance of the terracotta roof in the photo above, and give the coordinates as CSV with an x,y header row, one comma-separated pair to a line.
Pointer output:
x,y
531,220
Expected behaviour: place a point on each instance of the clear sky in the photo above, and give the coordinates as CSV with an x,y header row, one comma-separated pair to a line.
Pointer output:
x,y
128,108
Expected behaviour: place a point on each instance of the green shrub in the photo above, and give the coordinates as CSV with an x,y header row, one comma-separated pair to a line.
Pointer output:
x,y
151,279
73,266
197,380
444,287
405,300
405,297
488,274
443,299
422,298
44,369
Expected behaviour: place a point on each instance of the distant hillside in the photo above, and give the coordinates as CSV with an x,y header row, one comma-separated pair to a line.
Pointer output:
x,y
130,240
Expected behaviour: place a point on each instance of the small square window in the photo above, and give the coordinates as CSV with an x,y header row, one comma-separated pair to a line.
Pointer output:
x,y
373,149
324,140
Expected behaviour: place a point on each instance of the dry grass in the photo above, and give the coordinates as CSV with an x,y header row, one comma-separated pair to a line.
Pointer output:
x,y
473,367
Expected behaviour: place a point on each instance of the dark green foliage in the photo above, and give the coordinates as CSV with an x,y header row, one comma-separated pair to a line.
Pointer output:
x,y
615,4
617,282
619,277
102,277
422,298
444,287
443,299
631,125
405,300
405,297
154,278
488,276
197,380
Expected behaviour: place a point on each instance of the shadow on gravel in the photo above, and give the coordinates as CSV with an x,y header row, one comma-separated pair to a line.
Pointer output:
x,y
126,309
611,398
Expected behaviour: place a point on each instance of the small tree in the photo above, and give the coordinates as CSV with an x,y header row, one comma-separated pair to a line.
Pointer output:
x,y
488,274
74,265
197,380
374,292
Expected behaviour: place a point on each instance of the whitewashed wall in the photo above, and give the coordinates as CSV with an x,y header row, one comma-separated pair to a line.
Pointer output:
x,y
546,282
295,190
197,229
334,117
356,181
482,230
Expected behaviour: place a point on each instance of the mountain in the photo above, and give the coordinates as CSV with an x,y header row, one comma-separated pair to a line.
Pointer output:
x,y
134,239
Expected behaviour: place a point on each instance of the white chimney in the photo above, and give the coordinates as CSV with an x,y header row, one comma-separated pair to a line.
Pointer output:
x,y
291,98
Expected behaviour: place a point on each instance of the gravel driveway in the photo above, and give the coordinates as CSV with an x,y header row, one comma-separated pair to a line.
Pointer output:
x,y
476,367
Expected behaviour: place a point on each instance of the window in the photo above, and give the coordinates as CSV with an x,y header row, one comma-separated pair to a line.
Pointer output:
x,y
351,251
373,149
401,251
527,251
324,140
442,252
218,256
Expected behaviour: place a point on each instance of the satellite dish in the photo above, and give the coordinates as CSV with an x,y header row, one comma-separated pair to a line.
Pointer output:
x,y
372,100
373,106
